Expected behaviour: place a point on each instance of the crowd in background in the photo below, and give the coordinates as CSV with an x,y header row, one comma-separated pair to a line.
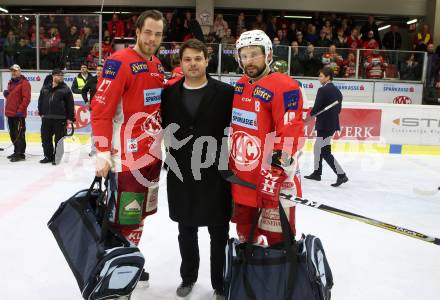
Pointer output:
x,y
325,40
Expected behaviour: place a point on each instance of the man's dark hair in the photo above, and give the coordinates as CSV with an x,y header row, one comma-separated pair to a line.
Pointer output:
x,y
327,72
194,44
153,14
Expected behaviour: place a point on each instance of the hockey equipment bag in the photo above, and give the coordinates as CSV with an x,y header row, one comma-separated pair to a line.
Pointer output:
x,y
104,263
288,271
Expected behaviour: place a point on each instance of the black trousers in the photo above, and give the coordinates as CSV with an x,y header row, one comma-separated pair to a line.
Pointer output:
x,y
17,131
189,251
322,150
49,129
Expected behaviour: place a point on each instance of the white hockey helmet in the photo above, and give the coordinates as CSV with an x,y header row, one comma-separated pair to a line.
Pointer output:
x,y
254,38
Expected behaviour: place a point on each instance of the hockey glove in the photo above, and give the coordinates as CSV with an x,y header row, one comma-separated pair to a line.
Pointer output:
x,y
271,180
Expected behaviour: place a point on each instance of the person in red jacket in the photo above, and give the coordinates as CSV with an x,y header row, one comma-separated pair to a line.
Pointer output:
x,y
126,127
18,96
116,27
266,126
375,65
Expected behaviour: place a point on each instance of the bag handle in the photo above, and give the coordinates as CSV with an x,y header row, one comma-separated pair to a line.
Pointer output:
x,y
289,247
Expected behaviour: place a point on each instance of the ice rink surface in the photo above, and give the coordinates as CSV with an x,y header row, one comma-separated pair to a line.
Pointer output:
x,y
367,262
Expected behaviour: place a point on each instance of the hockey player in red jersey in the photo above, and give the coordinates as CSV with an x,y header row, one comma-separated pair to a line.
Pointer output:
x,y
126,127
266,129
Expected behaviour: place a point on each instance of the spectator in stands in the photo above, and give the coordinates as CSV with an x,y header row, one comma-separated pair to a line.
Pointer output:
x,y
431,94
311,35
392,40
282,37
296,60
271,28
328,29
370,26
291,32
192,26
422,39
212,60
346,26
228,39
72,36
279,51
370,43
116,27
353,41
350,65
220,26
130,28
75,56
375,65
64,28
241,24
340,39
312,62
23,54
80,80
107,47
53,45
332,60
88,38
323,41
9,48
93,57
259,22
409,68
300,40
432,66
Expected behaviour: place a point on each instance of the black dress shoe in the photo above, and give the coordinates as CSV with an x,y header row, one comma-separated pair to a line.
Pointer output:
x,y
313,176
46,160
11,156
341,179
17,158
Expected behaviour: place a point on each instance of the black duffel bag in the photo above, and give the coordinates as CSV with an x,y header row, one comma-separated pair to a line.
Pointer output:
x,y
104,263
288,271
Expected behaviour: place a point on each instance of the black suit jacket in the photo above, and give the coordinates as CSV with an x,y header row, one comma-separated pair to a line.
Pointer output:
x,y
329,120
206,199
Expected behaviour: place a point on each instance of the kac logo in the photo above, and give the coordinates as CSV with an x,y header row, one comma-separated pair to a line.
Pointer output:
x,y
245,149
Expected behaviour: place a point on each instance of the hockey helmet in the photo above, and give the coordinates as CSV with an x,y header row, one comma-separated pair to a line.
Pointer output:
x,y
254,38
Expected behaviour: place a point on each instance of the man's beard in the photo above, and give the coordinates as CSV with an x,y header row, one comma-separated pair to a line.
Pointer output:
x,y
258,73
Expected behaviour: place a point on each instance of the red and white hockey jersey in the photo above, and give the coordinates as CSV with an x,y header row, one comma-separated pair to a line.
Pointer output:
x,y
375,66
273,104
126,110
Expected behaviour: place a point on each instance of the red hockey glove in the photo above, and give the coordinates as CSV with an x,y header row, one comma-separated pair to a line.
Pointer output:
x,y
269,187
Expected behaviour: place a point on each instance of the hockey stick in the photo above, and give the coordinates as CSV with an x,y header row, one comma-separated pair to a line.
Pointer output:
x,y
232,178
310,117
426,192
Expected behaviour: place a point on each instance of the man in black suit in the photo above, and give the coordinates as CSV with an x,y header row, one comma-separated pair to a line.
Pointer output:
x,y
326,125
195,112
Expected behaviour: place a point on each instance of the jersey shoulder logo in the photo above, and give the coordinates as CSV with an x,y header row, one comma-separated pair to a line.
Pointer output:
x,y
138,67
262,94
111,68
238,89
291,100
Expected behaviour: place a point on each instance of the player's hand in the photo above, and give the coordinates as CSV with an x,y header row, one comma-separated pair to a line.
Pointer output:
x,y
308,118
269,187
103,166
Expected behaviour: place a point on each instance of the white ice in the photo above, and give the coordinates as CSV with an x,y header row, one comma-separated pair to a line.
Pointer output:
x,y
367,262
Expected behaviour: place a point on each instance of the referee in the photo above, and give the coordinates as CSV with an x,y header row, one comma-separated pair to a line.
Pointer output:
x,y
327,124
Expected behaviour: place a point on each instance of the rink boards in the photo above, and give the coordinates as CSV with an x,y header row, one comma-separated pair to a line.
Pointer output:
x,y
365,127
